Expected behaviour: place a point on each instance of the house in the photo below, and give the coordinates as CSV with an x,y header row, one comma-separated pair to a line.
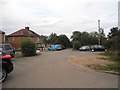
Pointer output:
x,y
2,36
16,38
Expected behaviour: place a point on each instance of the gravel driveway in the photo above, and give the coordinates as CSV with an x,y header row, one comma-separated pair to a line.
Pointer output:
x,y
52,70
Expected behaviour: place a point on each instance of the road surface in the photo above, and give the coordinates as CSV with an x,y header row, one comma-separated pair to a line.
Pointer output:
x,y
52,70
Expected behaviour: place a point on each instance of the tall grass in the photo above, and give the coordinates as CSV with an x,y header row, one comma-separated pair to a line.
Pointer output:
x,y
113,56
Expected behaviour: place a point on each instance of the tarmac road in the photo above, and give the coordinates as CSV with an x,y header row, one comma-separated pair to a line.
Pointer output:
x,y
52,70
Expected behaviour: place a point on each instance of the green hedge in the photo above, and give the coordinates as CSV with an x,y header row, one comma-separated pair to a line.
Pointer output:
x,y
28,48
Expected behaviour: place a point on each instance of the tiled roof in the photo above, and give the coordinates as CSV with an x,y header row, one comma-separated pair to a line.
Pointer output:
x,y
1,32
25,32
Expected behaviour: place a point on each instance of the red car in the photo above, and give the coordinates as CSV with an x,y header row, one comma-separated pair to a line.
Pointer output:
x,y
6,66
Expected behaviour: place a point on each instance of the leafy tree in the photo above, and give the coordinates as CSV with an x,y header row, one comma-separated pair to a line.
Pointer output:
x,y
76,36
94,36
85,38
28,48
45,40
64,40
52,38
76,45
114,32
114,38
61,39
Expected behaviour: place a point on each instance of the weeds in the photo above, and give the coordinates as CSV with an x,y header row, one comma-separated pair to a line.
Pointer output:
x,y
112,56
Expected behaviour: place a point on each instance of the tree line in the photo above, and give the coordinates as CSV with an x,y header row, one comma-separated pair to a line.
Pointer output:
x,y
78,39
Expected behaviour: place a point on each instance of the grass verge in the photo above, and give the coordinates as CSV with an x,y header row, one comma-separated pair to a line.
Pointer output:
x,y
21,56
111,56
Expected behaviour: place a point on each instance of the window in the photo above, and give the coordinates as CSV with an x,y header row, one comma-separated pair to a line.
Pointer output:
x,y
13,39
7,47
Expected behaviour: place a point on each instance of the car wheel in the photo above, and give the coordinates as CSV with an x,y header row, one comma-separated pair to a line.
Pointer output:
x,y
3,75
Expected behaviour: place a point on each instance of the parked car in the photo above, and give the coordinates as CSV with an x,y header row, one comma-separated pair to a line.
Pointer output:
x,y
56,47
97,48
8,49
6,66
85,48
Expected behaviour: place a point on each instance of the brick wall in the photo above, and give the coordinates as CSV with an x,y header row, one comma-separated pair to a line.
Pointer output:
x,y
2,38
17,41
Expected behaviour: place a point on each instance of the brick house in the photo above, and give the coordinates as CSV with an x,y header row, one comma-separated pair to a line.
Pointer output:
x,y
2,36
16,38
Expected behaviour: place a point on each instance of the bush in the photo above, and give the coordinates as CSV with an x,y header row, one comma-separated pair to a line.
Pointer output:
x,y
28,48
76,45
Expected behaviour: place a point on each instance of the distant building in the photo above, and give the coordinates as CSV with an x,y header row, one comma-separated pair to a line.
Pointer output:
x,y
16,38
2,36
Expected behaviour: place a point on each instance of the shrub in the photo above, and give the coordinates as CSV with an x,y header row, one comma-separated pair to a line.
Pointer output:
x,y
76,45
28,48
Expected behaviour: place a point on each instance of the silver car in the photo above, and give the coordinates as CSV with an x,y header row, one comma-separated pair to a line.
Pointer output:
x,y
7,49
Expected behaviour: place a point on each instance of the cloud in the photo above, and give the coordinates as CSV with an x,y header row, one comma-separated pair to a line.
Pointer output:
x,y
60,16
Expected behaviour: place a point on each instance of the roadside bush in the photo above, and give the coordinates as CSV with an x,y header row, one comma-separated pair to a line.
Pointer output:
x,y
76,45
28,48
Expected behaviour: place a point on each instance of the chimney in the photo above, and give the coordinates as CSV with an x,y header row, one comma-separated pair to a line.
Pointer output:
x,y
26,28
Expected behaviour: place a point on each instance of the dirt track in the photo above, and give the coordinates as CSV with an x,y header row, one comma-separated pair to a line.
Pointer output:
x,y
55,70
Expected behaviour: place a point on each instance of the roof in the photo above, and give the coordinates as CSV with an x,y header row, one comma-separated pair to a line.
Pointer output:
x,y
24,32
1,32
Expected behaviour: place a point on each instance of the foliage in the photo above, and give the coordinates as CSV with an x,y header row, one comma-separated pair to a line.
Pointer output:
x,y
76,45
114,39
52,38
28,48
113,56
45,40
86,38
61,39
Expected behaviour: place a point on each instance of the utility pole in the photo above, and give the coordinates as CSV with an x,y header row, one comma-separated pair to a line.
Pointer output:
x,y
99,30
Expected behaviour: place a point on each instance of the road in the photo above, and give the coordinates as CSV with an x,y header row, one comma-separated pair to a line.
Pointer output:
x,y
52,70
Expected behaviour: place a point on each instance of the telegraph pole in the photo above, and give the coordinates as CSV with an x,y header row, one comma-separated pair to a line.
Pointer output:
x,y
99,30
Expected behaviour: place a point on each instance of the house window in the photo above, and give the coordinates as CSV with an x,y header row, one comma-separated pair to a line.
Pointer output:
x,y
13,39
38,39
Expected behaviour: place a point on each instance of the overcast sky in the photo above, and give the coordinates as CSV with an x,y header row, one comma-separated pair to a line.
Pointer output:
x,y
58,16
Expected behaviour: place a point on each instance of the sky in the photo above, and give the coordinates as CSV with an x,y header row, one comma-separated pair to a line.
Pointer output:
x,y
58,16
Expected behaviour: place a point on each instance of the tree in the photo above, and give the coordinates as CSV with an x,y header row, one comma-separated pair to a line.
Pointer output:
x,y
52,38
64,40
85,38
114,38
94,36
76,45
76,36
61,39
45,40
28,48
113,32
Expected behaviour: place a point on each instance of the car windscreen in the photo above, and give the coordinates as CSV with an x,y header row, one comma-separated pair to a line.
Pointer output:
x,y
1,48
7,47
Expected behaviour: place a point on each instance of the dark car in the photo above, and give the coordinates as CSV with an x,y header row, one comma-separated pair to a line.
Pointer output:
x,y
6,66
85,48
97,48
8,49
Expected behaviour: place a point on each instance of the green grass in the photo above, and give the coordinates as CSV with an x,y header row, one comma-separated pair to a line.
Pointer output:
x,y
111,67
21,56
103,58
111,56
18,56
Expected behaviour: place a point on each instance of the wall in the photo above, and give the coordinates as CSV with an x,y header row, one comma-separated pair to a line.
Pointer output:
x,y
16,41
2,38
